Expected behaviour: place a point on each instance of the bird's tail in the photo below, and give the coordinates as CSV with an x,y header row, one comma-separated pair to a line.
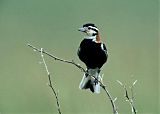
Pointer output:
x,y
88,82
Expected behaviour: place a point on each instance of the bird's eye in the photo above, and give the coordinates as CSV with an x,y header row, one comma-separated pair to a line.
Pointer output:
x,y
89,28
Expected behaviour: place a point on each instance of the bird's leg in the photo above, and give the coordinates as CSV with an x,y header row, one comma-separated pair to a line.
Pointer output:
x,y
96,81
87,74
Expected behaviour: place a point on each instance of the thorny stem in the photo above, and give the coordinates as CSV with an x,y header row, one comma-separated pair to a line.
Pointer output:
x,y
50,82
83,70
129,99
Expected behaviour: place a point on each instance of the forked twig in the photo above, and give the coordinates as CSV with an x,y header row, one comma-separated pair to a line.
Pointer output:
x,y
83,70
129,99
111,100
50,82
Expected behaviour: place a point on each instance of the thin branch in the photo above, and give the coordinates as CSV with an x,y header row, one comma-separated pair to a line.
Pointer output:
x,y
83,70
50,82
111,100
56,58
129,99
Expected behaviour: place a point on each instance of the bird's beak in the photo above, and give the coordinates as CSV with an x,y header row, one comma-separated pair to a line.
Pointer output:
x,y
82,29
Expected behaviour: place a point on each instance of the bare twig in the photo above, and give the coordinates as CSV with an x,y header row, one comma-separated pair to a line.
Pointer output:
x,y
50,82
56,58
111,100
129,99
83,70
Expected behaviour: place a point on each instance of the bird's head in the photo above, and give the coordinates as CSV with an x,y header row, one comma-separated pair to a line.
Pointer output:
x,y
91,31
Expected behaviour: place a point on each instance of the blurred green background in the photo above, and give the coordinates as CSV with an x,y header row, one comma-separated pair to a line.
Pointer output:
x,y
128,27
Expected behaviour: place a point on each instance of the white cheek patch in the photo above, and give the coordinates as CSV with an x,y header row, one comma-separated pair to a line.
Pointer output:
x,y
90,32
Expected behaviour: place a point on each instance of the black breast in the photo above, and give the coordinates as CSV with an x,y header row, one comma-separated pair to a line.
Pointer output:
x,y
92,54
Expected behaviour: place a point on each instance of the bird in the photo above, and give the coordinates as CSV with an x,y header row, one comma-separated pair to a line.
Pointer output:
x,y
93,53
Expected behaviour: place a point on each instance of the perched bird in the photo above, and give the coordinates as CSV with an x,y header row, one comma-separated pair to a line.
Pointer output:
x,y
94,54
